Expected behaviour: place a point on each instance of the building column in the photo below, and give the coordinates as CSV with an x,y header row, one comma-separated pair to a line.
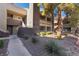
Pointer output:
x,y
30,16
3,19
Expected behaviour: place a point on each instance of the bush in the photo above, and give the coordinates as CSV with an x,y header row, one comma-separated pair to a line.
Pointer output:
x,y
59,37
48,33
26,38
1,43
44,33
34,40
53,49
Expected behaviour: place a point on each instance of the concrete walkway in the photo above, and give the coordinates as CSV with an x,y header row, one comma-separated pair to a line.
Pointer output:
x,y
16,47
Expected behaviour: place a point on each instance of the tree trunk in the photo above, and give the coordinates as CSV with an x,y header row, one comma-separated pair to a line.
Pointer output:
x,y
59,28
52,20
59,20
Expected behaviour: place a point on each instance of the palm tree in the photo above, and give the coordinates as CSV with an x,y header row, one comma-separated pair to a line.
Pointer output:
x,y
60,21
49,8
68,8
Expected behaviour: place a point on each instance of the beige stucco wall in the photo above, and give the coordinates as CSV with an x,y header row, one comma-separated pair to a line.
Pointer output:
x,y
3,17
3,13
14,8
30,16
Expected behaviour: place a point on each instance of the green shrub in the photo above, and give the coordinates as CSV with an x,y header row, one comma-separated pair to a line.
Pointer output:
x,y
44,33
34,40
26,38
53,49
59,37
1,43
48,33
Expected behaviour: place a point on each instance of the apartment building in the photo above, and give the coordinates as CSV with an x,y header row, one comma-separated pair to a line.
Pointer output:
x,y
36,21
65,24
11,17
66,27
45,23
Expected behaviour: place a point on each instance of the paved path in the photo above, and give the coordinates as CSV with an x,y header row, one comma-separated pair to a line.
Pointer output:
x,y
16,48
73,36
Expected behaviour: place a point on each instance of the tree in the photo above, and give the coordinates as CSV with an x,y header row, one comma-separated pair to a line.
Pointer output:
x,y
74,19
60,22
69,8
49,8
72,10
60,7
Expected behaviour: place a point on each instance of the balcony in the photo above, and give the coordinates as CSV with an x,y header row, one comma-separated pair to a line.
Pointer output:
x,y
66,25
11,21
45,23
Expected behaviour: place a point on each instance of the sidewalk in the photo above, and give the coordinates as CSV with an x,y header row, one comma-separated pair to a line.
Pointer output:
x,y
16,48
73,36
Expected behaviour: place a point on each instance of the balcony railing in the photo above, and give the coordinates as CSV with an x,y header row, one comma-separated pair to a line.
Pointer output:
x,y
11,21
45,23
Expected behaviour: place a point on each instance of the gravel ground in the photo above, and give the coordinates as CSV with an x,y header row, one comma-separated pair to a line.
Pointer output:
x,y
3,51
38,49
35,49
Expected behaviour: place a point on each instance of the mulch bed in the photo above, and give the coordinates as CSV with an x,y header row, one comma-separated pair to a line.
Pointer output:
x,y
3,51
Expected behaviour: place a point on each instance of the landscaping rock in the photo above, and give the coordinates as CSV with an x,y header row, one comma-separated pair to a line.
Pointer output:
x,y
4,34
26,32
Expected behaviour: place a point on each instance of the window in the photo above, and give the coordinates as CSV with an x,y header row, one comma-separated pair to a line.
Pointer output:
x,y
66,22
67,29
10,15
48,28
48,19
42,28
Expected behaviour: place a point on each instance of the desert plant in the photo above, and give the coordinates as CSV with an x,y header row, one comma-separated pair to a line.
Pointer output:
x,y
53,49
42,33
59,37
34,40
48,33
26,38
1,43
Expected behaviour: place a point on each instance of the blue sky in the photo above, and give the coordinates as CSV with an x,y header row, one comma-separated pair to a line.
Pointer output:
x,y
56,11
23,5
63,13
26,5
